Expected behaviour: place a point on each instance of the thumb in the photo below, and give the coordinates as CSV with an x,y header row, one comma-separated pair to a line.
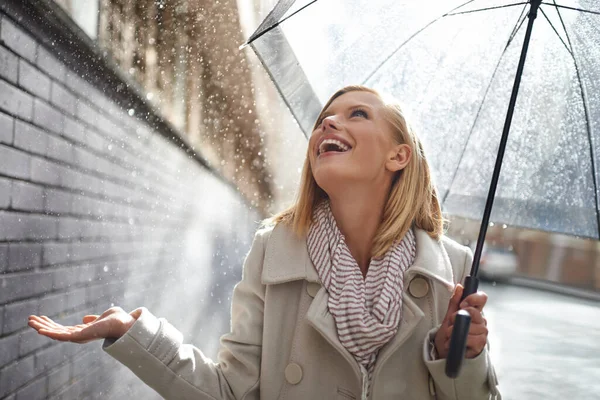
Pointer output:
x,y
89,318
454,304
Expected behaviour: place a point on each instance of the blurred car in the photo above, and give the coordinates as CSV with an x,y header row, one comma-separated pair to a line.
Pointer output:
x,y
497,263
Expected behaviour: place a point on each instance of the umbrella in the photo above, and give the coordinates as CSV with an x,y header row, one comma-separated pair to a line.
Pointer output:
x,y
469,73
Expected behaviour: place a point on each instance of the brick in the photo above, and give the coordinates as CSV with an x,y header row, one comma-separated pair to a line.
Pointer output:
x,y
16,314
17,40
33,80
30,138
60,149
58,201
14,162
47,116
26,196
69,228
95,141
48,358
22,286
77,84
44,171
9,65
74,130
58,378
35,390
87,113
64,278
3,261
7,127
49,64
63,99
10,349
76,298
5,191
53,305
16,101
22,256
81,205
30,341
55,253
16,226
16,375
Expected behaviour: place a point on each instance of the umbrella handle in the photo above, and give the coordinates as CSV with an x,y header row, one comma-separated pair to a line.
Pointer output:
x,y
460,331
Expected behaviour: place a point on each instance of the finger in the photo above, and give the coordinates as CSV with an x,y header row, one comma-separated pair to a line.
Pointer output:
x,y
454,301
477,300
50,322
476,316
475,345
38,321
36,325
45,323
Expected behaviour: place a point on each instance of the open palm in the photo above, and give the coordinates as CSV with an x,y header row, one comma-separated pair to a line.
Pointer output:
x,y
113,323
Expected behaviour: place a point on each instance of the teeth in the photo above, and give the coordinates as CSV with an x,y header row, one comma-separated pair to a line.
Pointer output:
x,y
337,143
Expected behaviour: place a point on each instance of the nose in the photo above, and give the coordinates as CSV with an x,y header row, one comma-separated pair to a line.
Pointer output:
x,y
330,123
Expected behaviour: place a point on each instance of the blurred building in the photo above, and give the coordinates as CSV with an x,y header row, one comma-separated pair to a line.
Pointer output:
x,y
543,258
184,55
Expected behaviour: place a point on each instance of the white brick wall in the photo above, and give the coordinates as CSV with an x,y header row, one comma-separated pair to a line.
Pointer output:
x,y
99,208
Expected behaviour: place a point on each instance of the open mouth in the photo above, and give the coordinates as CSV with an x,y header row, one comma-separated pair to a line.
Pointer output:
x,y
332,146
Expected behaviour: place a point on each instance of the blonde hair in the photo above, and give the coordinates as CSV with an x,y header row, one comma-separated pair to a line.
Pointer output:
x,y
412,198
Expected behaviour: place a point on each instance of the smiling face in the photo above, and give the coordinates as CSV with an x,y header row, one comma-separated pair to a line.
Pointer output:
x,y
353,143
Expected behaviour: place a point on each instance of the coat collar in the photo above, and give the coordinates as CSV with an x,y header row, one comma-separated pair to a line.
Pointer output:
x,y
287,259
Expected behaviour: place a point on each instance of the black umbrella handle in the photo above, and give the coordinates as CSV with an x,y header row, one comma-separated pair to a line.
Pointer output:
x,y
460,332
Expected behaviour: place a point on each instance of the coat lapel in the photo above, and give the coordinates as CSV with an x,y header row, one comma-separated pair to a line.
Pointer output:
x,y
287,259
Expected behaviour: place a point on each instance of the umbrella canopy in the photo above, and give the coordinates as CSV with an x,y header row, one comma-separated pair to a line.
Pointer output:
x,y
452,65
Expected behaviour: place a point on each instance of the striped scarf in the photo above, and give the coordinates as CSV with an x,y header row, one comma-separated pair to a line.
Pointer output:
x,y
367,311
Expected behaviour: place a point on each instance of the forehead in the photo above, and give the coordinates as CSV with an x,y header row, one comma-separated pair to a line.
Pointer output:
x,y
354,98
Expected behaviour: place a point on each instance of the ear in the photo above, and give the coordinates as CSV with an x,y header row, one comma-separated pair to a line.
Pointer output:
x,y
398,158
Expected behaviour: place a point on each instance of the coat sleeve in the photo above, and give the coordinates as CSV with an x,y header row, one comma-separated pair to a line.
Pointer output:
x,y
477,379
154,350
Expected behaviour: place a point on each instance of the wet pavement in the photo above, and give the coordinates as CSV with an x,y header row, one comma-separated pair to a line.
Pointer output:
x,y
544,345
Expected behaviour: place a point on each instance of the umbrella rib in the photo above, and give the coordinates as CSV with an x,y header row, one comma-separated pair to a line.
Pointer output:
x,y
572,8
409,39
586,112
487,8
557,34
518,26
253,38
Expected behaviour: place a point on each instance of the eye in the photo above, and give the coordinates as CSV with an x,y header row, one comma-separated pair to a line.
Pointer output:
x,y
359,112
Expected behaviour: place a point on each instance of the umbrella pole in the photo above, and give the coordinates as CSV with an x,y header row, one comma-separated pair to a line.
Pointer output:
x,y
462,323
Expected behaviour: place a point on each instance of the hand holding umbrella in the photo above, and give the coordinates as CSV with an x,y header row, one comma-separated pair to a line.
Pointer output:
x,y
477,333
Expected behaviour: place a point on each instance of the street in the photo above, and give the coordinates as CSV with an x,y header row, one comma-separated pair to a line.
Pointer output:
x,y
544,345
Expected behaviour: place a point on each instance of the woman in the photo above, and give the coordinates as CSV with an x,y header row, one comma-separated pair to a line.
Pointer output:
x,y
351,293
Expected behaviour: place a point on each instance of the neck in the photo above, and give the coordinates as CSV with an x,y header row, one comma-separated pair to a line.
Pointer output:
x,y
358,214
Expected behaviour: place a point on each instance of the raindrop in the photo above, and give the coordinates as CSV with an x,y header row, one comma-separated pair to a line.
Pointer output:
x,y
105,269
491,224
504,226
131,112
150,96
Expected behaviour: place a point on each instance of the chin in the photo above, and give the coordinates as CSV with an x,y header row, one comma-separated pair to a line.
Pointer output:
x,y
333,178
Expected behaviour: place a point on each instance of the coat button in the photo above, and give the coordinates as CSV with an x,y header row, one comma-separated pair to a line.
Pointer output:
x,y
293,373
312,288
418,287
